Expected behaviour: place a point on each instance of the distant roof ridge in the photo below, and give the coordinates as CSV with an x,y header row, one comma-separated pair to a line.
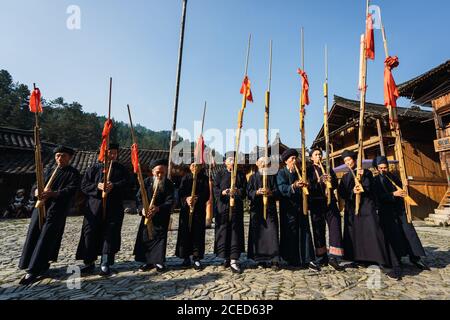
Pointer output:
x,y
16,130
405,85
337,99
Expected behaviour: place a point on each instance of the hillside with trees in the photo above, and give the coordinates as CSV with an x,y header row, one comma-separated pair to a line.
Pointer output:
x,y
66,123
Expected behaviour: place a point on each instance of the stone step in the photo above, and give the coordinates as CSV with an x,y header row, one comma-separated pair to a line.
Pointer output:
x,y
442,211
436,223
439,217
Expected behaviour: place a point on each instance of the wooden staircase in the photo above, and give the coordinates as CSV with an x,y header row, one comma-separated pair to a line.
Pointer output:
x,y
441,215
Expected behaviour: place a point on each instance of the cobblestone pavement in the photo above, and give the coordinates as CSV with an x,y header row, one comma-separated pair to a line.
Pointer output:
x,y
215,282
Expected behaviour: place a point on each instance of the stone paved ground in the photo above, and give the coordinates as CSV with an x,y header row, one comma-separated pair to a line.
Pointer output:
x,y
214,282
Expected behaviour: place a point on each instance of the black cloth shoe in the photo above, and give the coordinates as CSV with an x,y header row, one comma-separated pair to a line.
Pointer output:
x,y
88,269
146,267
275,266
352,265
263,264
235,268
335,264
421,265
226,264
27,279
105,271
45,269
395,274
161,268
197,265
313,266
186,263
322,261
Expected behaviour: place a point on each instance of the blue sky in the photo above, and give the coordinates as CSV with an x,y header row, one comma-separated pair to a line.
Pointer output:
x,y
136,42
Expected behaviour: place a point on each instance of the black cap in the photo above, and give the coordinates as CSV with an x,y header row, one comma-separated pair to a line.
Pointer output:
x,y
158,162
62,149
113,145
289,153
379,160
348,153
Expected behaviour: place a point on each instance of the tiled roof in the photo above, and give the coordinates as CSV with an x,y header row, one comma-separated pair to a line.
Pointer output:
x,y
17,149
433,83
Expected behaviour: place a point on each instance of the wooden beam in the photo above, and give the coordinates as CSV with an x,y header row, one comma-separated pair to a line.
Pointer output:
x,y
366,144
427,180
441,102
380,136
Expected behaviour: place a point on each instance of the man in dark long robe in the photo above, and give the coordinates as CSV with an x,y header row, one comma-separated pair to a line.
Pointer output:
x,y
191,241
263,243
42,244
400,234
101,235
229,235
296,245
363,238
323,214
151,251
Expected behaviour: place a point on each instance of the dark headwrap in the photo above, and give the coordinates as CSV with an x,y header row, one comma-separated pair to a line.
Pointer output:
x,y
62,149
288,153
114,146
379,160
348,153
158,162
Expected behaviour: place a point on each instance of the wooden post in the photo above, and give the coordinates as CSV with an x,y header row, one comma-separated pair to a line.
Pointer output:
x,y
106,164
302,129
39,168
380,136
238,135
332,159
177,89
194,174
398,147
143,191
266,132
362,108
325,128
210,203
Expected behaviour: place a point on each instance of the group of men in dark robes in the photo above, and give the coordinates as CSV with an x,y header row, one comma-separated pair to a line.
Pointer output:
x,y
378,234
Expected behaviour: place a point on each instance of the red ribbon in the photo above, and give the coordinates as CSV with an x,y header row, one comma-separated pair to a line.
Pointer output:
x,y
199,153
370,42
305,86
245,89
35,101
390,88
135,157
106,130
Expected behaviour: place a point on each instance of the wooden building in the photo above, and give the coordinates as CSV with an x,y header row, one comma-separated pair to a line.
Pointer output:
x,y
432,89
427,182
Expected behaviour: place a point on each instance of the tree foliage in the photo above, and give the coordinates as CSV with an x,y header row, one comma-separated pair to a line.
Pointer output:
x,y
66,123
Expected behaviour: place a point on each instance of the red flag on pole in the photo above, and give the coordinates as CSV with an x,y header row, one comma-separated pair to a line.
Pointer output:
x,y
35,101
305,86
106,130
390,88
199,153
245,89
135,157
370,42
